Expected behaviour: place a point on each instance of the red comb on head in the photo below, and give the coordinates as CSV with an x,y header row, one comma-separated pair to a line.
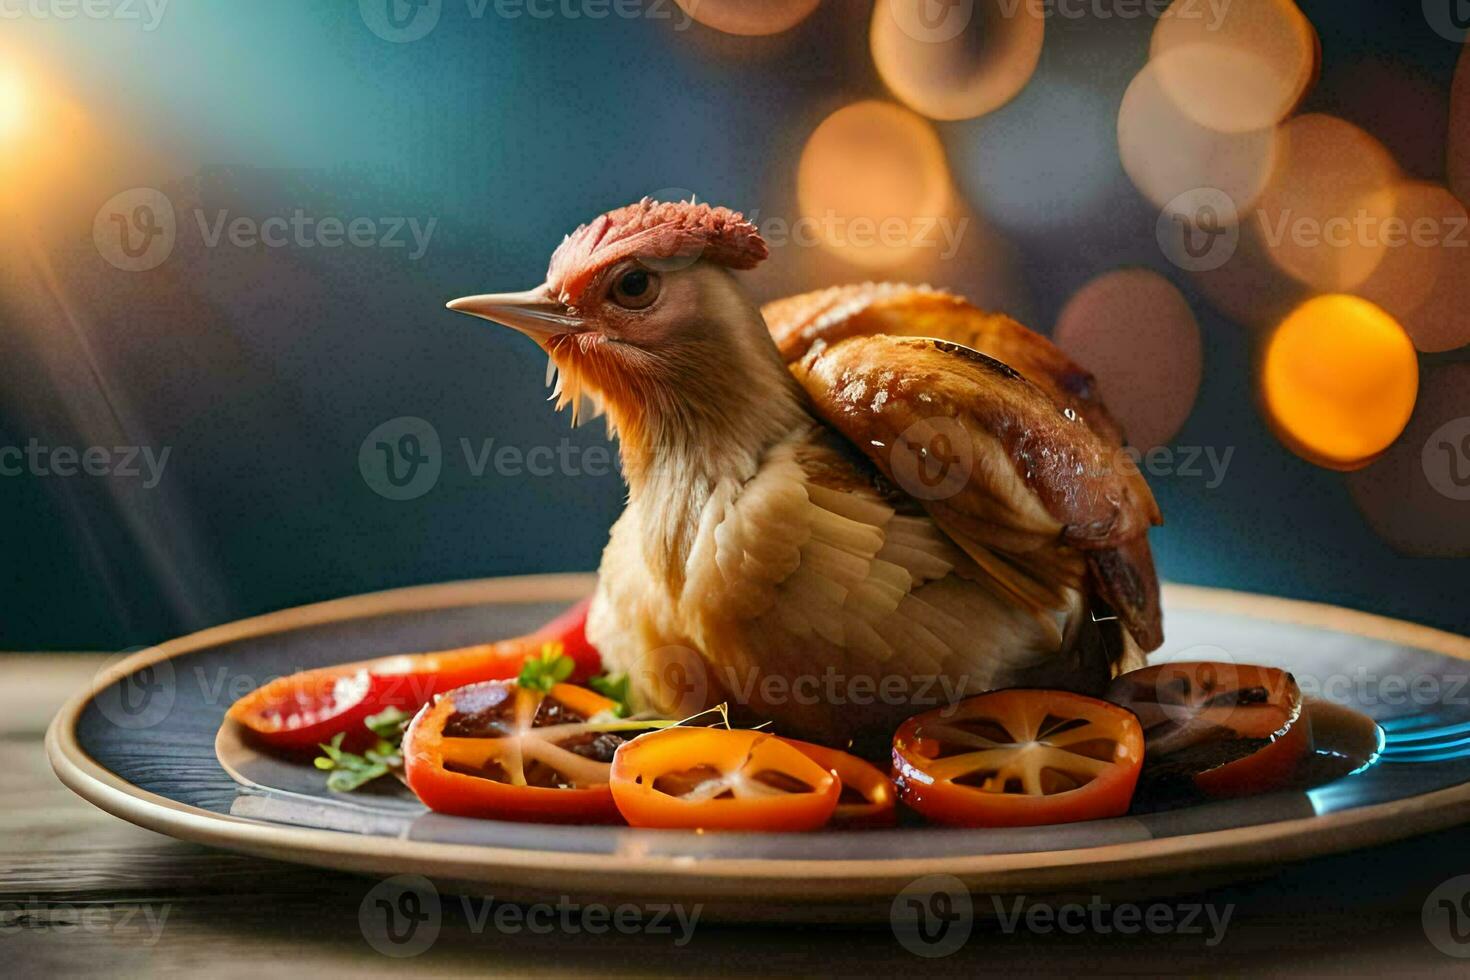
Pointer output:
x,y
652,229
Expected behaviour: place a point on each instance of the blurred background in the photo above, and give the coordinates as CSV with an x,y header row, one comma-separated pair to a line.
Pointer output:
x,y
228,384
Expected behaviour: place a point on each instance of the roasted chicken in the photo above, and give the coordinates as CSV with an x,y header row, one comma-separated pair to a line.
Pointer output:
x,y
847,507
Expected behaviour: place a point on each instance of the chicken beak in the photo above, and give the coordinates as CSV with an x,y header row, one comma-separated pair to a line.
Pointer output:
x,y
533,312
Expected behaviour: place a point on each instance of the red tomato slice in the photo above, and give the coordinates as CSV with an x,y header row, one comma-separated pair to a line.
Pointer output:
x,y
1220,729
302,710
1019,758
500,751
867,794
718,779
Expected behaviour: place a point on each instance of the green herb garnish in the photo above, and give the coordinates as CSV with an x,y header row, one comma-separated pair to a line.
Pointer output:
x,y
614,687
389,724
350,771
546,671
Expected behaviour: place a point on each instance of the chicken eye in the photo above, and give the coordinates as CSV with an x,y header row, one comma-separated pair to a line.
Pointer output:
x,y
635,289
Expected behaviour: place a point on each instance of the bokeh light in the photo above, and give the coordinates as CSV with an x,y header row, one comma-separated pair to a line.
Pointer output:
x,y
1323,212
14,103
1339,381
950,61
1417,495
873,183
1135,332
1242,68
1424,277
749,17
1168,154
1457,156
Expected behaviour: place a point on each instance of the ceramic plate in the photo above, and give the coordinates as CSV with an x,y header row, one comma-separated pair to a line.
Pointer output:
x,y
144,742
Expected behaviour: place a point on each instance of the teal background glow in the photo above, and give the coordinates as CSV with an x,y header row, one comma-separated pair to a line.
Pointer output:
x,y
264,369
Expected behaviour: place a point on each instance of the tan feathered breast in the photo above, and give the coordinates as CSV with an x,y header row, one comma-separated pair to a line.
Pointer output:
x,y
950,514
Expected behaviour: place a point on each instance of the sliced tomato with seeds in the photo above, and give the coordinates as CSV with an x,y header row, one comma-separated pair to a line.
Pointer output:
x,y
501,751
302,710
1018,758
1214,728
721,779
867,796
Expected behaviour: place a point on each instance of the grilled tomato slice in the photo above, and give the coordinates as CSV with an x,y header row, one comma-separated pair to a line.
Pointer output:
x,y
867,793
719,779
300,711
1019,758
1217,729
503,751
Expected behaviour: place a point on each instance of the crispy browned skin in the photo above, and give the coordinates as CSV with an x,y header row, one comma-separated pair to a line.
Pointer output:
x,y
1048,493
899,310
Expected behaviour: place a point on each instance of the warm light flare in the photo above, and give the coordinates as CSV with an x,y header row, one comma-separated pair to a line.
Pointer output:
x,y
14,104
1340,380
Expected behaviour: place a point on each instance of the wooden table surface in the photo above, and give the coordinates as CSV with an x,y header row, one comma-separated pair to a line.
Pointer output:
x,y
83,892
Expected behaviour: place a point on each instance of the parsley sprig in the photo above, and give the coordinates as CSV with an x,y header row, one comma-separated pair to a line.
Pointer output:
x,y
348,770
614,687
546,671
